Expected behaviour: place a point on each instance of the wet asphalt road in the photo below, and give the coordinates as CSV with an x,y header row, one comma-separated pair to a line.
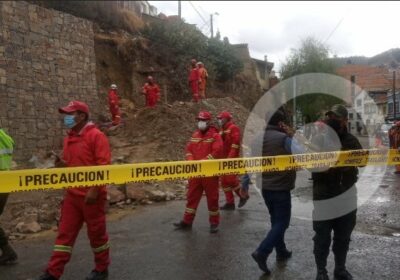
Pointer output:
x,y
145,245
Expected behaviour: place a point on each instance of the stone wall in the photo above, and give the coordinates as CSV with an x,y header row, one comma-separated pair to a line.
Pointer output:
x,y
46,59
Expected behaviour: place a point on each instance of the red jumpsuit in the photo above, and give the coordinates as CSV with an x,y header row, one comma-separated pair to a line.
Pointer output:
x,y
207,145
113,102
89,147
152,93
194,80
231,136
203,81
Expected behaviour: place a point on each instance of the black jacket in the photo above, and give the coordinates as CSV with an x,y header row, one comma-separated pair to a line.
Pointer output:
x,y
336,181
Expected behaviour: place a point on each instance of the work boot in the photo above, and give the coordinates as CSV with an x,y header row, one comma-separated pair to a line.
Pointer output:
x,y
242,201
283,255
228,206
97,275
46,276
342,274
9,256
322,275
214,228
261,260
182,226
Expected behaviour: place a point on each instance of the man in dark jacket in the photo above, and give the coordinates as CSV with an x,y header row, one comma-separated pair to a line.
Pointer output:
x,y
276,187
335,201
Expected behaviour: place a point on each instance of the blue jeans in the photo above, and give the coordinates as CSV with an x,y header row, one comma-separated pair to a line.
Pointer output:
x,y
279,206
245,181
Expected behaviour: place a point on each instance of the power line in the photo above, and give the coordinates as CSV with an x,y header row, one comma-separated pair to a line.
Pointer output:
x,y
333,31
190,2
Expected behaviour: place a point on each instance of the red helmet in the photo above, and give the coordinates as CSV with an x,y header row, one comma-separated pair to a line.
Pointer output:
x,y
204,115
225,115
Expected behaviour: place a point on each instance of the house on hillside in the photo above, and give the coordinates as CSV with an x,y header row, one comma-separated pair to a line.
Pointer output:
x,y
263,72
369,94
139,7
261,69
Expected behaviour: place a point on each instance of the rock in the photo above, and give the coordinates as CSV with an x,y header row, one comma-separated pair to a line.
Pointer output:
x,y
114,195
32,227
47,216
157,195
29,218
135,193
170,195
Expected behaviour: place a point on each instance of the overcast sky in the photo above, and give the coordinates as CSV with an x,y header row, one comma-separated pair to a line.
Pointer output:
x,y
273,28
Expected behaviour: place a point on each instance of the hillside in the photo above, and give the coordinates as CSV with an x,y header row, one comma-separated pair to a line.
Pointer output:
x,y
390,58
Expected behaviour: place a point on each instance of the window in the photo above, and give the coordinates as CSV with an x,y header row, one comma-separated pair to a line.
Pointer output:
x,y
390,108
358,116
350,116
358,102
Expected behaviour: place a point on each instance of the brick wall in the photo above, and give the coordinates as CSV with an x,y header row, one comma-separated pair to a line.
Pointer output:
x,y
46,59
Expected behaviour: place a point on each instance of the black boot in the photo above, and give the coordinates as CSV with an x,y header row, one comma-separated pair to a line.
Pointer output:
x,y
242,201
342,274
283,255
9,256
46,276
228,206
97,275
182,226
322,274
214,228
261,260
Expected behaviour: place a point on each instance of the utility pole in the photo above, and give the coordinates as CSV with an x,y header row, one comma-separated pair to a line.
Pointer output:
x,y
394,95
179,9
212,25
294,103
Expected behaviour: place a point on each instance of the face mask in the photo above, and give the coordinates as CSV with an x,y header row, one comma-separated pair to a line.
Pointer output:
x,y
202,125
69,121
220,123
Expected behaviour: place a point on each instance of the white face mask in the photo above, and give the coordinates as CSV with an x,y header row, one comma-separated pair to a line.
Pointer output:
x,y
220,122
202,125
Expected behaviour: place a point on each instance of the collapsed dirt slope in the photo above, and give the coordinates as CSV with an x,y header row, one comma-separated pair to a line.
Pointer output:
x,y
161,134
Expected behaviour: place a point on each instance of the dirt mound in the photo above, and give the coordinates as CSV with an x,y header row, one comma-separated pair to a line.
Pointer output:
x,y
161,134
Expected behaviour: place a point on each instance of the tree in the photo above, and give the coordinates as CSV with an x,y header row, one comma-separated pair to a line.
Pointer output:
x,y
311,57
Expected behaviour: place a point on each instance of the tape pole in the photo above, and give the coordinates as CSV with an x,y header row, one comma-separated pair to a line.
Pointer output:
x,y
86,176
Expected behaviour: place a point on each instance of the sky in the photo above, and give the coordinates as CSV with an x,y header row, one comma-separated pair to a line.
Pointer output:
x,y
274,28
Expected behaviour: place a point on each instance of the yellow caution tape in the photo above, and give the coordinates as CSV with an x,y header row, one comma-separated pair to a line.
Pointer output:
x,y
57,178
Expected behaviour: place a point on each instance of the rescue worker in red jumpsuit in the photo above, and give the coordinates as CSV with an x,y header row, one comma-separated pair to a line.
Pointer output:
x,y
230,133
205,143
85,145
152,92
113,103
203,80
194,81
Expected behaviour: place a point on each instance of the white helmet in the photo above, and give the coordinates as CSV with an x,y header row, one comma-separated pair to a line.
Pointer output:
x,y
113,86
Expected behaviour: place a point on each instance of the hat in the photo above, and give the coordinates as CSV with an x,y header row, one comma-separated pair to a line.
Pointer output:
x,y
339,110
225,115
74,106
204,115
